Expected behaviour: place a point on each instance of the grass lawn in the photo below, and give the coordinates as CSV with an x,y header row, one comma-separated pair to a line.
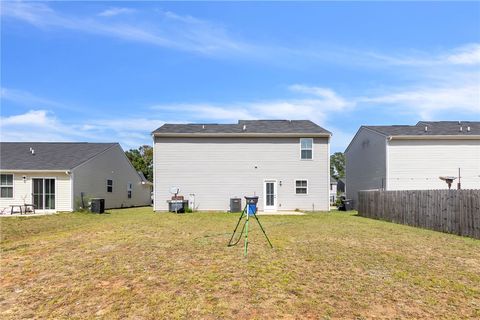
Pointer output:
x,y
132,263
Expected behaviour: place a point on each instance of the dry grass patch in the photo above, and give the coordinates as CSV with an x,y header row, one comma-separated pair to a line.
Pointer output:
x,y
132,263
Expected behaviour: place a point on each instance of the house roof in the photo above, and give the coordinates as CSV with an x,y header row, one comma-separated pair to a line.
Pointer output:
x,y
48,155
143,178
244,127
434,128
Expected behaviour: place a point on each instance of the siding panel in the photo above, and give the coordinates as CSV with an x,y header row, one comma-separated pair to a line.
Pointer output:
x,y
418,164
91,178
365,163
22,191
216,169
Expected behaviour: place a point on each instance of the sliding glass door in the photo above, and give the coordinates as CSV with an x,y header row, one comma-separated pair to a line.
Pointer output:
x,y
43,193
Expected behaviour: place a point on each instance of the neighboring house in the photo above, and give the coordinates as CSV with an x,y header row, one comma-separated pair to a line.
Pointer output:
x,y
285,163
333,190
54,176
403,157
341,186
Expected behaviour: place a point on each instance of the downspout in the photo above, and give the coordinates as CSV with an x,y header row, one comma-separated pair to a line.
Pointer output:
x,y
72,191
328,173
154,175
386,162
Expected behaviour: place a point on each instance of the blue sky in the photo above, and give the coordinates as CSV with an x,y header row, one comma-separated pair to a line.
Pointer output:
x,y
115,71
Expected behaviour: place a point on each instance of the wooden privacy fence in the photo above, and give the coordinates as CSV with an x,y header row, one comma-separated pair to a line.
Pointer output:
x,y
452,211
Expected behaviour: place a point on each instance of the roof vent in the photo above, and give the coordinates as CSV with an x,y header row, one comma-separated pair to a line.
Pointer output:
x,y
426,128
32,151
468,129
244,127
461,129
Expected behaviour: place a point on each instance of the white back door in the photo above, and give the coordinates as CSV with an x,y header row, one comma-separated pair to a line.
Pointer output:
x,y
270,195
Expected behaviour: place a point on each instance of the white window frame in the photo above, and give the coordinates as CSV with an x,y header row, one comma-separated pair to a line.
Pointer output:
x,y
8,186
108,185
300,142
273,208
56,197
295,187
129,190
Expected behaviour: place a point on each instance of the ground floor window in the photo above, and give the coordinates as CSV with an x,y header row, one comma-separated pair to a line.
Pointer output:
x,y
301,186
109,185
129,190
6,186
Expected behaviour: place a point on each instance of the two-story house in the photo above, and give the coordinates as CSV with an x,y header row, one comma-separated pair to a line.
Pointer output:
x,y
285,163
414,157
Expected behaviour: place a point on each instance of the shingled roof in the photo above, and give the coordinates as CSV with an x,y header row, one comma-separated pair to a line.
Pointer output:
x,y
48,155
431,128
244,127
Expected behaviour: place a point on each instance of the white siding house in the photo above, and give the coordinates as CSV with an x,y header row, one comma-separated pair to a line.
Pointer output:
x,y
285,163
55,176
413,157
333,190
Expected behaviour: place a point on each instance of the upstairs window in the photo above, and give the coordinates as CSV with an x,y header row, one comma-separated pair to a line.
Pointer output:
x,y
301,186
6,186
306,148
109,185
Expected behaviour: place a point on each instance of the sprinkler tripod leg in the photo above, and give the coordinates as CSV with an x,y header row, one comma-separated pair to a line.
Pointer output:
x,y
246,237
261,227
236,227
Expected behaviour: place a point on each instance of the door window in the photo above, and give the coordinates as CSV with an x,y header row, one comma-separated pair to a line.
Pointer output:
x,y
270,193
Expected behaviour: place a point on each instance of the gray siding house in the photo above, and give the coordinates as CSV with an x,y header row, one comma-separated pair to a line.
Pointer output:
x,y
54,176
403,157
285,163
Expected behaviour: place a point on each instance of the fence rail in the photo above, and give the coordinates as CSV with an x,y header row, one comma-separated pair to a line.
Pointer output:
x,y
452,211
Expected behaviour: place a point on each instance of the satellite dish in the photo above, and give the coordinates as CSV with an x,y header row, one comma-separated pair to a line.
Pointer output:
x,y
448,180
174,190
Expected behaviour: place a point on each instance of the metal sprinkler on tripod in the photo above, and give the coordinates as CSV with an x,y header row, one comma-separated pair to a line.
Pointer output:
x,y
249,210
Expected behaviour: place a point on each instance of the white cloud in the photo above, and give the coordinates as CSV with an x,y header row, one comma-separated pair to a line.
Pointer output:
x,y
115,12
24,98
45,125
427,102
468,55
32,117
316,108
174,31
330,97
130,132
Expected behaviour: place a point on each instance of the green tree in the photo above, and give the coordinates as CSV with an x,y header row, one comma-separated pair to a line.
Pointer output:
x,y
337,165
142,160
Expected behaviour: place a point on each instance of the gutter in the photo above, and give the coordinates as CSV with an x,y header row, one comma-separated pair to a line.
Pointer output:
x,y
435,137
66,171
239,135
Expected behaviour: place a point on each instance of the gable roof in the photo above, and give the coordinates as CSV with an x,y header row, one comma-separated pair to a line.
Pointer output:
x,y
48,155
143,179
434,128
244,128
